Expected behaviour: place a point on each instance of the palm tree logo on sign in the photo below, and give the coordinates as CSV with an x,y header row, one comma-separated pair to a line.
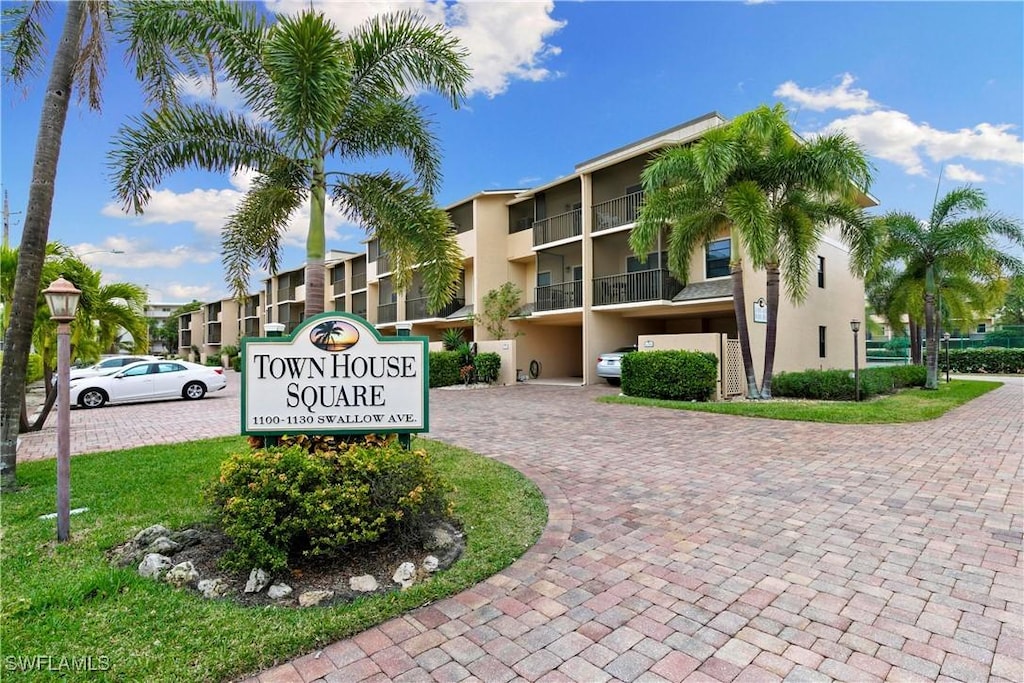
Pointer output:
x,y
334,336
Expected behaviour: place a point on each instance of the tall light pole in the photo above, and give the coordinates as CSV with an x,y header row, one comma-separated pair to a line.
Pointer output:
x,y
62,298
945,337
99,251
855,326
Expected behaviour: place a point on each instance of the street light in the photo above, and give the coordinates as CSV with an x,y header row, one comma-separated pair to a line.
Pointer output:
x,y
945,338
99,251
62,298
855,326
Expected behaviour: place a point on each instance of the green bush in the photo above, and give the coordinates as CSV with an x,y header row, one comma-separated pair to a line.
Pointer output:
x,y
993,361
280,504
236,363
444,368
34,371
841,385
670,375
487,365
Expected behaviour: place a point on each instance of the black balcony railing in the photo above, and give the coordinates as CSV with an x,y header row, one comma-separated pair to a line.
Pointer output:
x,y
560,227
338,287
644,285
559,296
619,211
416,309
387,313
358,281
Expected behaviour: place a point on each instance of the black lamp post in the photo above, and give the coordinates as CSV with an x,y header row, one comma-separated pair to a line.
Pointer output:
x,y
62,298
855,326
945,338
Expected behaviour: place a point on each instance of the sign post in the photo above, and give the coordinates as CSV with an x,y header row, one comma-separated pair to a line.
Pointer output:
x,y
335,374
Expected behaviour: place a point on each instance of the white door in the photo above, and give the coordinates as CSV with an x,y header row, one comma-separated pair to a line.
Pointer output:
x,y
168,380
132,384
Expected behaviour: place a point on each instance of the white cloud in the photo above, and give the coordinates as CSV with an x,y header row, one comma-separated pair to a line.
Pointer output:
x,y
839,97
176,292
893,136
507,41
226,96
124,253
962,174
208,211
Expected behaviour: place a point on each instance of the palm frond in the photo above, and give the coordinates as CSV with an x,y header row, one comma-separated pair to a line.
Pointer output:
x,y
91,65
184,137
23,38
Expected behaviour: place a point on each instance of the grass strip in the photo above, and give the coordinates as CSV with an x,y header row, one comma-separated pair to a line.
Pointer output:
x,y
66,601
908,405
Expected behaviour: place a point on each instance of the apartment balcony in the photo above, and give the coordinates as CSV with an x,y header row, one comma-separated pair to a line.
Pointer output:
x,y
387,313
185,340
561,227
286,294
617,212
251,327
628,288
338,288
358,281
559,296
416,309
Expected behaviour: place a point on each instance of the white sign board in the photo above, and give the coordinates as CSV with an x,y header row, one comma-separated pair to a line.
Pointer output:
x,y
760,311
334,375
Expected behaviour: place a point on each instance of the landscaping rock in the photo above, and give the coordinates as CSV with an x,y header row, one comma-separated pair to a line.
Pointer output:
x,y
150,534
278,591
181,575
363,584
163,546
314,598
430,564
258,580
405,574
186,538
154,565
213,588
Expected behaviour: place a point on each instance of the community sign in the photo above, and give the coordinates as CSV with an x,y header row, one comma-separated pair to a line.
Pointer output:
x,y
335,374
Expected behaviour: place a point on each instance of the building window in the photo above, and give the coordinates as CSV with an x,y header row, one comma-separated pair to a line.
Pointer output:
x,y
981,328
821,341
821,272
544,279
716,262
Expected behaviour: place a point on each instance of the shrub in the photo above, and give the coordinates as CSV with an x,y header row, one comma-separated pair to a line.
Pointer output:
x,y
452,338
487,365
236,363
841,385
280,504
213,361
34,371
444,368
995,361
671,375
898,344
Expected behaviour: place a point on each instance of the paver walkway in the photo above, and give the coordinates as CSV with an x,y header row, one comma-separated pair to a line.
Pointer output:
x,y
689,546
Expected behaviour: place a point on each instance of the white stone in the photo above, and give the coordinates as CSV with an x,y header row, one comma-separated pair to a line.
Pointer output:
x,y
258,580
405,574
430,563
363,584
153,566
278,591
213,588
313,598
182,575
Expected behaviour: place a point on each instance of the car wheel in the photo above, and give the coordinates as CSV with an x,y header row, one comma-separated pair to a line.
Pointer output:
x,y
614,381
92,398
194,391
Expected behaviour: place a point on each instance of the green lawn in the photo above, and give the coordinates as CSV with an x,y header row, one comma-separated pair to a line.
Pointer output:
x,y
909,405
67,601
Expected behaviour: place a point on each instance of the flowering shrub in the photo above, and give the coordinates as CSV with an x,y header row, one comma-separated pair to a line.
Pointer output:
x,y
307,499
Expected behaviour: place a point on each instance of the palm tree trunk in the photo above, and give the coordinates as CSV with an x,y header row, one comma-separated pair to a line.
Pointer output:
x,y
915,342
771,333
35,232
316,243
739,304
931,331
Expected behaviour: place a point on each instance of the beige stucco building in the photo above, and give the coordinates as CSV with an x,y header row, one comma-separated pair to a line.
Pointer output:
x,y
565,245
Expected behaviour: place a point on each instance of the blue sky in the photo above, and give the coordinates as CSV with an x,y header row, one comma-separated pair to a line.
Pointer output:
x,y
921,85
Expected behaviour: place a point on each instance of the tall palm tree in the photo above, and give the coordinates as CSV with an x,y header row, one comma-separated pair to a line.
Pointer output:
x,y
77,68
956,246
316,97
775,193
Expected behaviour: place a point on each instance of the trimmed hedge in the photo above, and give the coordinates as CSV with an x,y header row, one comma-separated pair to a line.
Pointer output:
x,y
444,368
993,361
670,375
840,385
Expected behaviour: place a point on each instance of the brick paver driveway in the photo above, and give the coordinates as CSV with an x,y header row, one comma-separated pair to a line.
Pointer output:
x,y
685,546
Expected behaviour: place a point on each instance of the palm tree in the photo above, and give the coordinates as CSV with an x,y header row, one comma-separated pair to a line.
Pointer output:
x,y
315,97
955,248
776,194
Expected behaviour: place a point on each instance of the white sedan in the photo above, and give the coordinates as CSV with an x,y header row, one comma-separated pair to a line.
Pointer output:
x,y
148,381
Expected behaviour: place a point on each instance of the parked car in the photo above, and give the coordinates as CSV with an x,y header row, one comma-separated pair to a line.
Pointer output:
x,y
609,365
108,365
148,381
